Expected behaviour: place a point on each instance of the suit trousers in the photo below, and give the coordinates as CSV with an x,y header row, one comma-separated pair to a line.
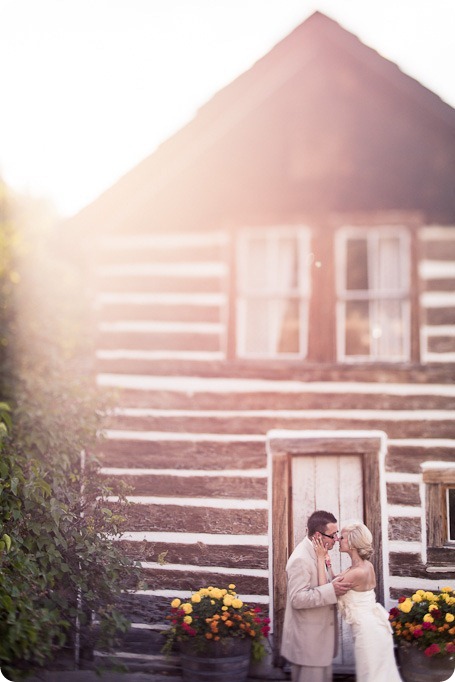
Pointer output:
x,y
307,673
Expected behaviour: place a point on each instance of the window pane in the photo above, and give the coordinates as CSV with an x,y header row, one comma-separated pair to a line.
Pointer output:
x,y
256,327
357,334
255,275
272,327
272,309
451,513
356,264
387,329
283,276
388,270
373,291
287,326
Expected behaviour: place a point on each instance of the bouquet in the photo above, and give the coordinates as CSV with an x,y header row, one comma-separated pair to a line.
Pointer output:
x,y
211,615
427,621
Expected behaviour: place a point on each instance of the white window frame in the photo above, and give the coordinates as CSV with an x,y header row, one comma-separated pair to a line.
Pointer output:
x,y
301,293
343,295
450,541
440,476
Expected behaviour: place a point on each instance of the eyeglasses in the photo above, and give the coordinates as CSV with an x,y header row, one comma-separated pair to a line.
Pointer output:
x,y
332,536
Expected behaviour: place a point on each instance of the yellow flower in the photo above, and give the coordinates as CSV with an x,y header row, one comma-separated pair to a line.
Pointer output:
x,y
227,601
417,598
203,592
175,603
446,589
196,598
231,586
450,617
428,618
237,603
429,596
420,592
187,619
433,607
187,608
405,606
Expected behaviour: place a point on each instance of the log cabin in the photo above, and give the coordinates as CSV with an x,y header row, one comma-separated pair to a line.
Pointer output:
x,y
274,310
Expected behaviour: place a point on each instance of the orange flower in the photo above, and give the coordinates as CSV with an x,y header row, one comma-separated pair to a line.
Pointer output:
x,y
213,618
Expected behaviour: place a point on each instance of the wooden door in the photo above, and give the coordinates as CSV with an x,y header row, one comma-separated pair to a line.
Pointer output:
x,y
336,470
333,483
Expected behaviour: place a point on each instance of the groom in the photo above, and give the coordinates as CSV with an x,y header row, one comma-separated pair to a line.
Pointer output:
x,y
309,630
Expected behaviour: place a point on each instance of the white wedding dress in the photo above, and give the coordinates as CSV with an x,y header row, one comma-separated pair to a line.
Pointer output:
x,y
373,642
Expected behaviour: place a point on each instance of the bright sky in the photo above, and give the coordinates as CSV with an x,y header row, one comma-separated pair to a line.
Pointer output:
x,y
91,87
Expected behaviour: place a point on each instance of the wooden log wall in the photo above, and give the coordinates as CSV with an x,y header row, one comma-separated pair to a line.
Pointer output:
x,y
188,431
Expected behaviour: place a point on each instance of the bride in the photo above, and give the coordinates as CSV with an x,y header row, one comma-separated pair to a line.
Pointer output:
x,y
373,642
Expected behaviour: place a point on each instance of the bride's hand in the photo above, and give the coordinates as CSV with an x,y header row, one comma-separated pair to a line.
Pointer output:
x,y
320,549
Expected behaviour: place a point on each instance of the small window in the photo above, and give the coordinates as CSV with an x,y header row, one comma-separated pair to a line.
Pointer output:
x,y
450,496
439,480
373,294
273,292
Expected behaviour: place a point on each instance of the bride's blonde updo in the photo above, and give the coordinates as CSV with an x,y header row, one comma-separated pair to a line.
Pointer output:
x,y
359,538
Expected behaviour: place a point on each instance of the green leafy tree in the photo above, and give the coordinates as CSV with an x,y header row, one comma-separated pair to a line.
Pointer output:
x,y
59,560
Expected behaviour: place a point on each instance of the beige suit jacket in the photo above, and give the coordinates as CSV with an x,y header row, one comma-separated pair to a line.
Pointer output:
x,y
310,620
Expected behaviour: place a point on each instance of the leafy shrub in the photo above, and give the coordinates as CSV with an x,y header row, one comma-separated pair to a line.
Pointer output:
x,y
59,561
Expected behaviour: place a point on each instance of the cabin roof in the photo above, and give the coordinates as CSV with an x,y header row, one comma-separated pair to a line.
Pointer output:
x,y
134,194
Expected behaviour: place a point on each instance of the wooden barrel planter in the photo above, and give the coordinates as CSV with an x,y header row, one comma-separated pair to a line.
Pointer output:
x,y
222,661
416,667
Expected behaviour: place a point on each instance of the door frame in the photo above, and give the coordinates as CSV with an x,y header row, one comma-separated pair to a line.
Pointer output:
x,y
282,446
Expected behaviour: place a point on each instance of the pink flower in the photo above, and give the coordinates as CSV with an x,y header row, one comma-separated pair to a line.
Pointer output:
x,y
432,650
450,648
